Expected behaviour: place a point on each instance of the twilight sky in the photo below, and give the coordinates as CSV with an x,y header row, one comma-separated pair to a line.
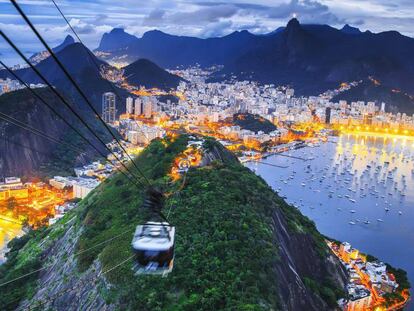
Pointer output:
x,y
202,18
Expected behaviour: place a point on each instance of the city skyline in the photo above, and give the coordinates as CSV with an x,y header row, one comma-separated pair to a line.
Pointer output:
x,y
200,19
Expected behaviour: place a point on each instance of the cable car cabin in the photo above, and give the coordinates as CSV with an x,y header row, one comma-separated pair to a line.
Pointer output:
x,y
153,245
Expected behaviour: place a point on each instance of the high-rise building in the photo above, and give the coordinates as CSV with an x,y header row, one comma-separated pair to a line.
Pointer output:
x,y
147,107
138,106
108,107
130,105
290,93
382,107
328,113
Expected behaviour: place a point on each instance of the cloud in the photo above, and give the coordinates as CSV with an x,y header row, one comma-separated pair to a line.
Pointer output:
x,y
217,29
82,27
154,17
308,11
204,18
100,18
203,15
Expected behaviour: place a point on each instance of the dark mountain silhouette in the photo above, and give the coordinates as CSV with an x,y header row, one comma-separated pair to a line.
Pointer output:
x,y
350,30
24,153
68,41
310,58
115,39
396,99
75,58
145,73
38,57
169,51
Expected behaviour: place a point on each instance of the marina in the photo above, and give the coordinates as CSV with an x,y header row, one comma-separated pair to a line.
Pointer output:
x,y
359,189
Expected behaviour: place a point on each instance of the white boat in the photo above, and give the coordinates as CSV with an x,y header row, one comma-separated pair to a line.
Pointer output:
x,y
352,223
380,220
352,211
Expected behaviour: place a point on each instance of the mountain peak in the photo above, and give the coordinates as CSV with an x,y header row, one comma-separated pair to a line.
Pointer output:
x,y
350,30
115,39
117,31
154,33
144,72
293,23
68,40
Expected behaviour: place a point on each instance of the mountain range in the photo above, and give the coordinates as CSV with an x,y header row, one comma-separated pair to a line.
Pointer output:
x,y
84,70
310,58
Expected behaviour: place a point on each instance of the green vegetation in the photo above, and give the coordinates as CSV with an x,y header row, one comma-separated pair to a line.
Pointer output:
x,y
400,276
403,282
253,123
25,256
226,252
327,289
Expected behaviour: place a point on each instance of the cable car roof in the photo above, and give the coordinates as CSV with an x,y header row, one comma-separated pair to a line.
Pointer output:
x,y
154,236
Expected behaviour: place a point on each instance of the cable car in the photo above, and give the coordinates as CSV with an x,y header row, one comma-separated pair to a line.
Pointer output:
x,y
153,242
153,246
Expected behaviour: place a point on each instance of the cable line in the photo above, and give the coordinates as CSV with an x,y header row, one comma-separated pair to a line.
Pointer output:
x,y
58,142
76,254
90,54
5,37
74,83
33,130
66,290
93,59
30,148
70,125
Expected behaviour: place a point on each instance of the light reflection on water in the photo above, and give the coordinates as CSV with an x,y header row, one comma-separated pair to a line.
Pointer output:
x,y
380,221
8,231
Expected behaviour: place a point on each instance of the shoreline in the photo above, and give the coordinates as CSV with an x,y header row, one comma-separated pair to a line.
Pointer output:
x,y
407,292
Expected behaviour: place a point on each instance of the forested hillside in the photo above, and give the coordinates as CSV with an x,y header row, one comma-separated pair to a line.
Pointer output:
x,y
238,246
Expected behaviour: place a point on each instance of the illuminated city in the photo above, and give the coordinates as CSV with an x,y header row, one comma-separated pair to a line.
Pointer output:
x,y
254,155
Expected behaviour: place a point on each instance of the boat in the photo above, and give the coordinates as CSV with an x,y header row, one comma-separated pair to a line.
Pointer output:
x,y
352,223
380,220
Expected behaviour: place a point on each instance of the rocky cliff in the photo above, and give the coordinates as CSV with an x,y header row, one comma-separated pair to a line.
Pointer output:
x,y
238,246
25,153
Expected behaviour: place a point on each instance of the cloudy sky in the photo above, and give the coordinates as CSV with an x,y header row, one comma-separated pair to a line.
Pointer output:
x,y
203,18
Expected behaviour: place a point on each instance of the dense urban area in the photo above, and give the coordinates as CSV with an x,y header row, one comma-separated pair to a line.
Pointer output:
x,y
251,120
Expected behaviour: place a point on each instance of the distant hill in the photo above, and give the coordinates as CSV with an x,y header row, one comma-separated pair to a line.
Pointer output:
x,y
75,58
23,153
396,99
253,123
310,58
145,73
